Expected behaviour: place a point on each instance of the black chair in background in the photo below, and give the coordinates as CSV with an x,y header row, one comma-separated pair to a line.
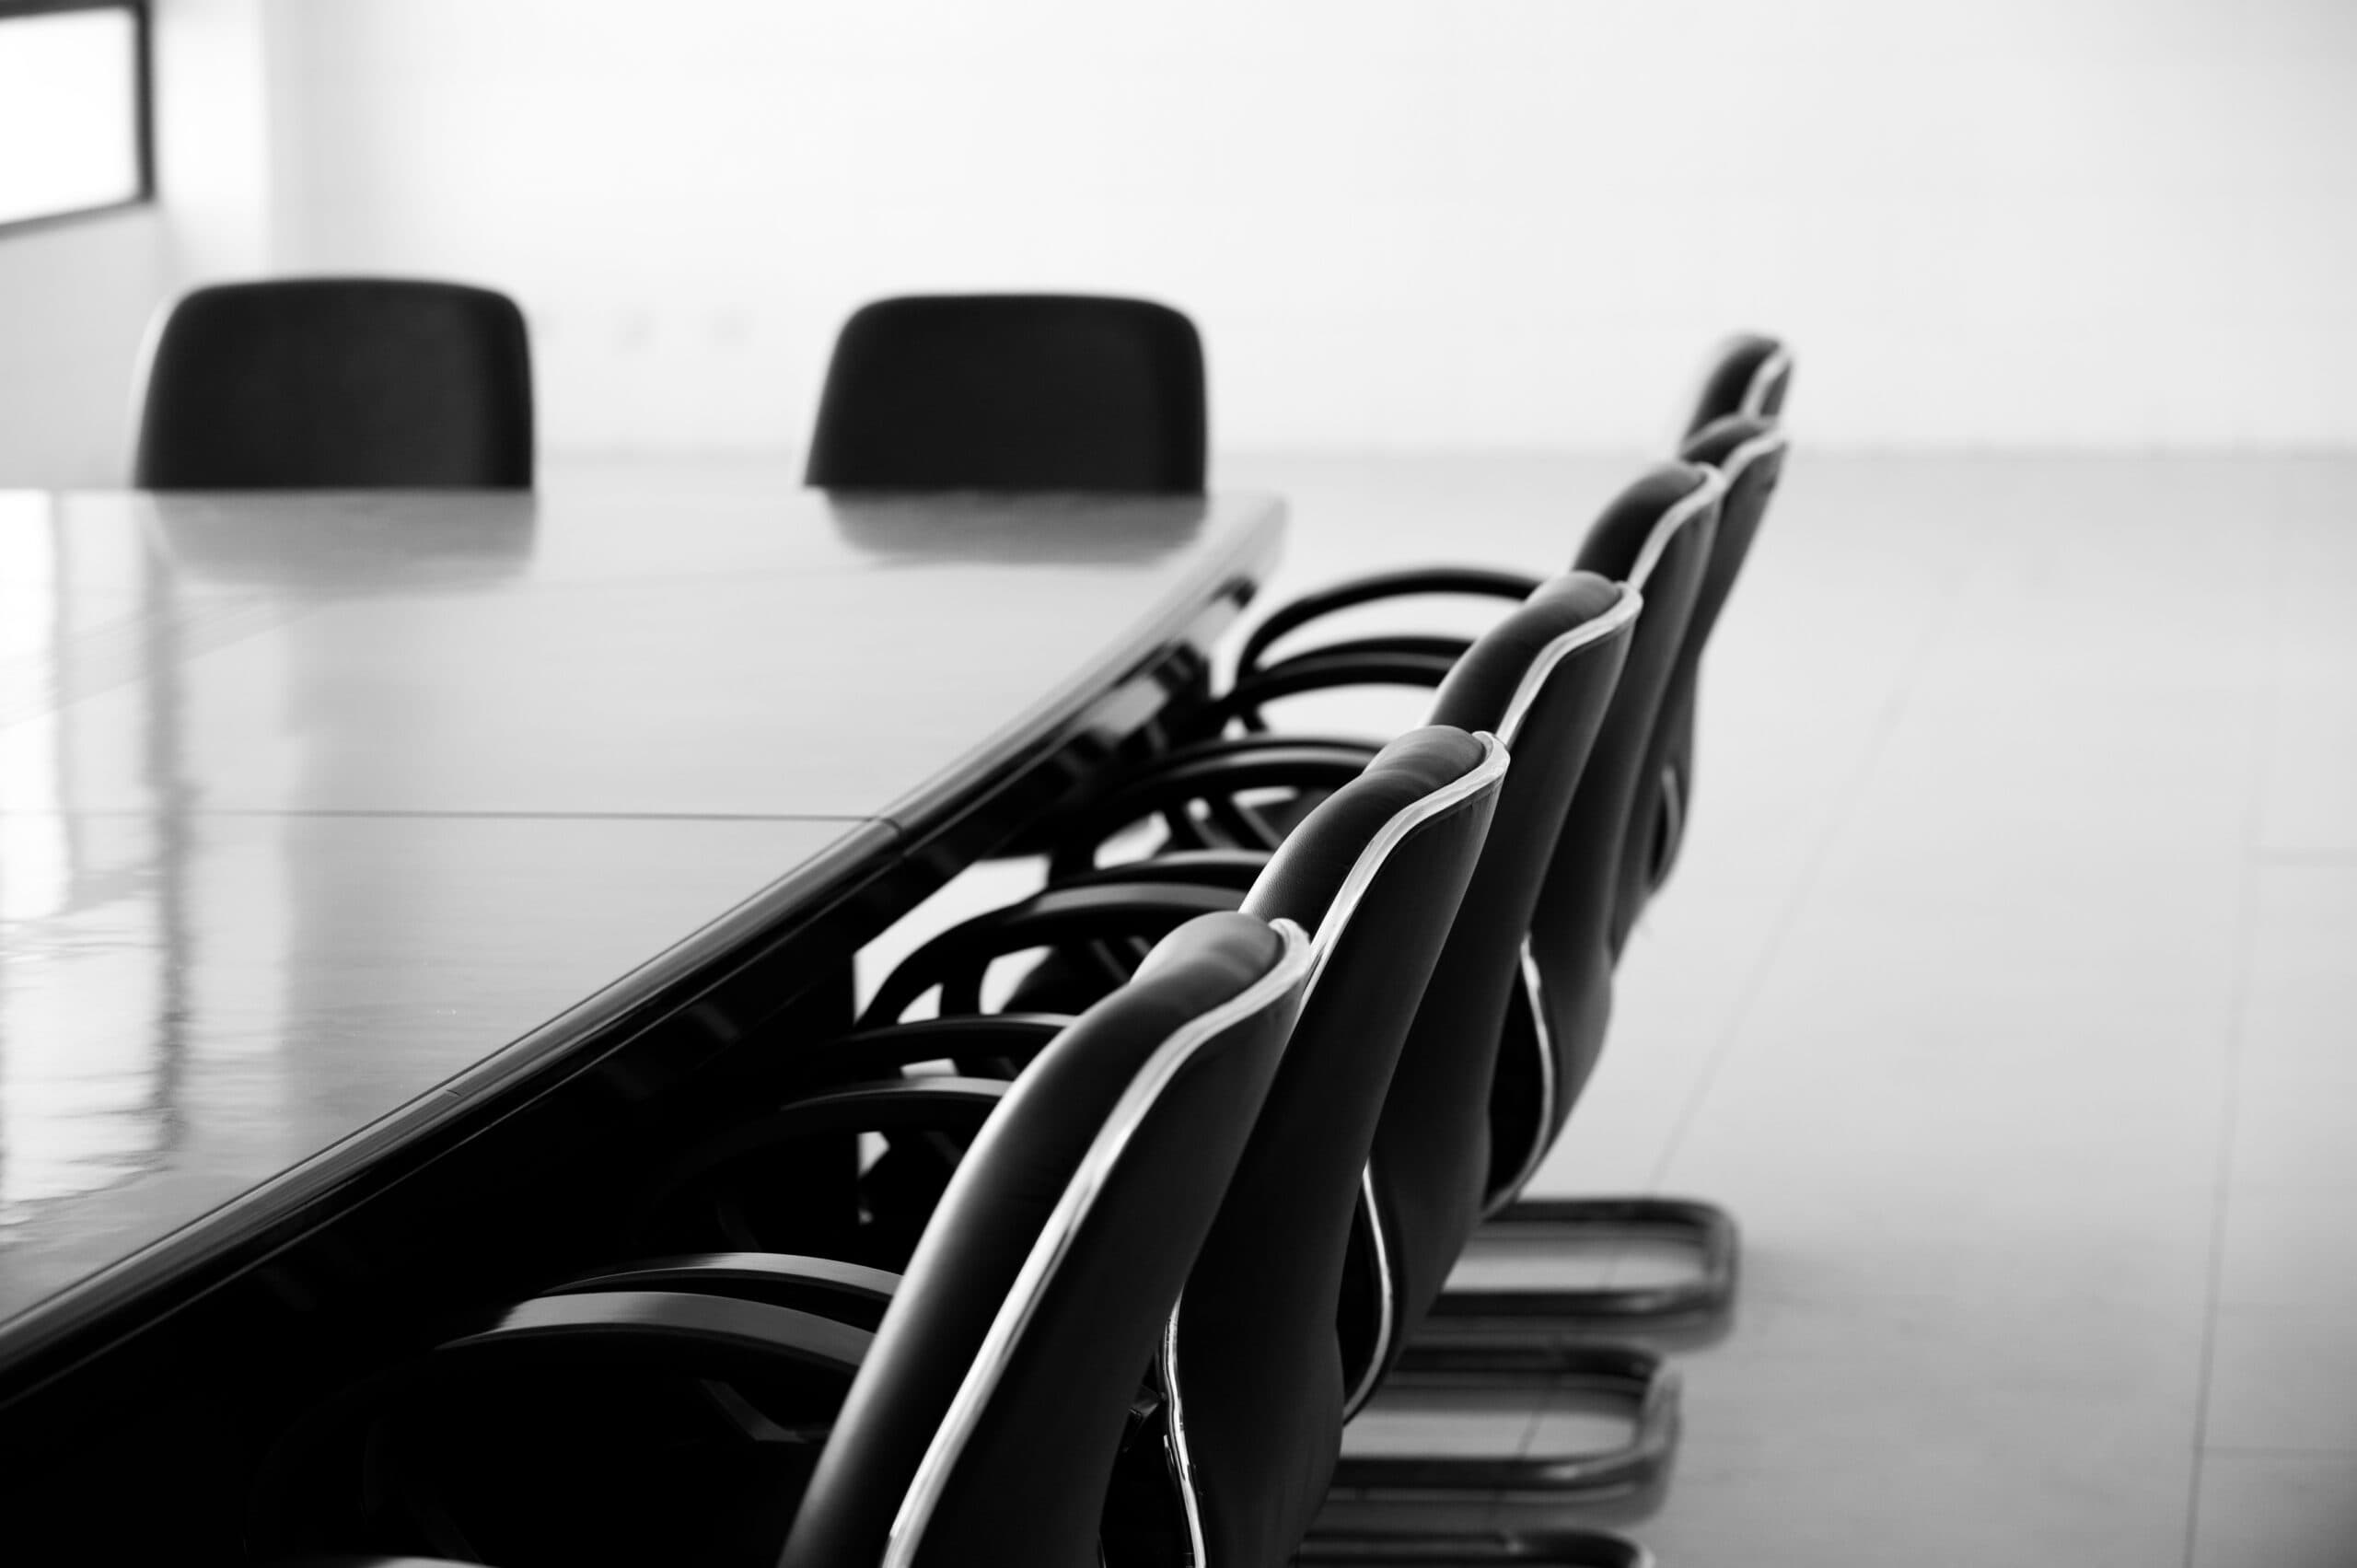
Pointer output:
x,y
1018,392
971,1410
1013,393
338,384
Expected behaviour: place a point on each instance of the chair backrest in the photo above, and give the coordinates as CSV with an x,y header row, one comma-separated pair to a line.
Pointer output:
x,y
1256,1370
1013,393
1746,373
1748,452
1671,561
1656,536
338,384
1541,680
985,1420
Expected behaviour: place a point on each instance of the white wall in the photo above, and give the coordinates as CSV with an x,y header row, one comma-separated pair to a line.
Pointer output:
x,y
1512,223
73,302
214,121
1507,223
76,296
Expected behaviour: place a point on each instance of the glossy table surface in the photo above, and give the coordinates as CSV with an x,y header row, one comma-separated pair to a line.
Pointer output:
x,y
312,806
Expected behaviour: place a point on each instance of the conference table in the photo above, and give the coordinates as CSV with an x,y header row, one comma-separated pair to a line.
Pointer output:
x,y
355,847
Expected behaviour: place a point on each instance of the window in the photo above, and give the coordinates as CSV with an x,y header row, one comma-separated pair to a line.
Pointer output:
x,y
73,108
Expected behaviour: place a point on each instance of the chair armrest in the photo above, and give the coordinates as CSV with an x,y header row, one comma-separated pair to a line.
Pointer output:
x,y
1211,772
1400,659
1327,669
1374,586
1069,919
850,1292
877,1053
671,1331
1426,644
957,1106
1231,868
763,1350
1212,752
792,1065
762,1353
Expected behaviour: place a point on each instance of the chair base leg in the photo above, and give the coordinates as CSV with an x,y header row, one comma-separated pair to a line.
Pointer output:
x,y
1477,1548
1519,1314
1642,1381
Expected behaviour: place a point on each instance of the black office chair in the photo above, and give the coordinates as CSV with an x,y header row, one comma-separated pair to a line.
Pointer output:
x,y
1013,393
1657,536
1547,673
1746,374
1748,453
338,384
1017,392
1267,1373
696,1411
1544,678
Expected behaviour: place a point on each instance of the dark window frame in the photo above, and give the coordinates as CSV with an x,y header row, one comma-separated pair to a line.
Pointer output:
x,y
143,107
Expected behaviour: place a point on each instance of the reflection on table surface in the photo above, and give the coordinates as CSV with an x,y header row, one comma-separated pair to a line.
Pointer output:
x,y
782,654
309,802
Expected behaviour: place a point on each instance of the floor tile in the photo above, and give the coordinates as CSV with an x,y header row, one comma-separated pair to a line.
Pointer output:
x,y
1553,1260
2311,799
1851,1431
2290,1247
1354,1513
2297,1029
1457,1422
2276,1511
2289,1135
2282,1378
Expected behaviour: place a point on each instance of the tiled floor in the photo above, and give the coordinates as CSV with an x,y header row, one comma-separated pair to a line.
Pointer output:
x,y
2007,990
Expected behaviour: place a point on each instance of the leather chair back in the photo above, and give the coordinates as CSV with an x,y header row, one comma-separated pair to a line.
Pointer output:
x,y
1013,393
983,1426
1746,374
1748,452
1541,680
338,384
1655,537
1259,1372
1662,549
